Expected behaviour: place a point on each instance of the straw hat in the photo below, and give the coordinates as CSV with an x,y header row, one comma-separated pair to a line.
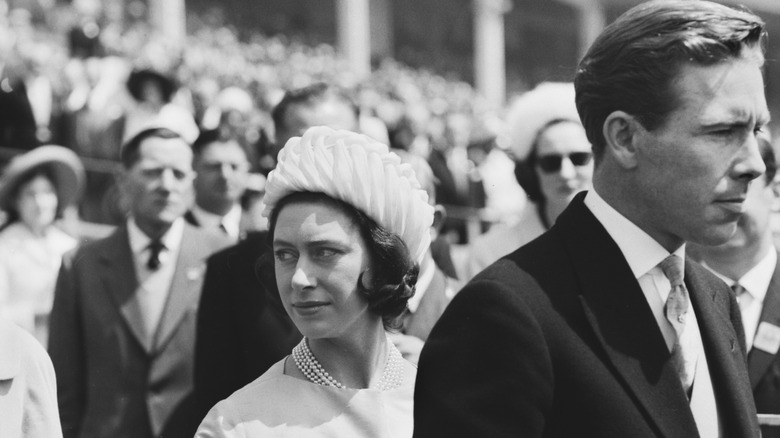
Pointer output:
x,y
66,169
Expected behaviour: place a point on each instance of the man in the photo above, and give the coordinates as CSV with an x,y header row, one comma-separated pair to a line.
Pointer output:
x,y
596,328
242,330
123,322
748,263
222,171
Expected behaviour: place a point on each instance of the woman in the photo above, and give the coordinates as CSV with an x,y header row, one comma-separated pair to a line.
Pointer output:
x,y
554,162
348,226
35,188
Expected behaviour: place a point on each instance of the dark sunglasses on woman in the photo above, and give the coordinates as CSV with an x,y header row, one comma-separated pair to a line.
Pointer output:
x,y
552,162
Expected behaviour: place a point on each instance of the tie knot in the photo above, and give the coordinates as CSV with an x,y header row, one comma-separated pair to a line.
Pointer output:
x,y
672,267
155,248
738,289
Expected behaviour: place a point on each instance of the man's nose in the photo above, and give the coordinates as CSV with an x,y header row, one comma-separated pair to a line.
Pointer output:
x,y
748,164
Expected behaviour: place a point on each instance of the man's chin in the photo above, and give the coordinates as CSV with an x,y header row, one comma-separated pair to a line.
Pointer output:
x,y
715,235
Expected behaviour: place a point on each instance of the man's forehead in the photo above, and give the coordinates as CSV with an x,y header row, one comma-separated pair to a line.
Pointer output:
x,y
228,148
173,150
712,95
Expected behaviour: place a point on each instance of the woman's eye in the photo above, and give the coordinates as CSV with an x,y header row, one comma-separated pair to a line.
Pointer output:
x,y
325,252
283,255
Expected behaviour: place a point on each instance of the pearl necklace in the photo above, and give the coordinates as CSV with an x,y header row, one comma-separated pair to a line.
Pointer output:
x,y
392,375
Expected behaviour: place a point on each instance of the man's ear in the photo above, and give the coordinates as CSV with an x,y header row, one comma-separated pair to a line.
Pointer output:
x,y
775,186
621,133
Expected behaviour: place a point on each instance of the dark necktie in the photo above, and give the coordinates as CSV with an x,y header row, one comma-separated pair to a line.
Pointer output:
x,y
676,310
155,248
743,298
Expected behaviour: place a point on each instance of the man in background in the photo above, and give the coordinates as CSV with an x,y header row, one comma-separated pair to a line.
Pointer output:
x,y
748,264
222,171
122,331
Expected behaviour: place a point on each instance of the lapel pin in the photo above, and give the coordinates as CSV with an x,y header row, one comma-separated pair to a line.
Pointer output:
x,y
767,338
193,273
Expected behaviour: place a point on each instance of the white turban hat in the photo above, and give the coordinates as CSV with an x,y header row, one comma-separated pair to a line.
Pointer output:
x,y
360,171
534,109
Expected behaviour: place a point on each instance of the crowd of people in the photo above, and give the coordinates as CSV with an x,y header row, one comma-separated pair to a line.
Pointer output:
x,y
287,256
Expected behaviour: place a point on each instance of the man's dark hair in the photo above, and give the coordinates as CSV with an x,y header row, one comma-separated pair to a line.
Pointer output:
x,y
393,270
205,138
309,95
633,64
131,149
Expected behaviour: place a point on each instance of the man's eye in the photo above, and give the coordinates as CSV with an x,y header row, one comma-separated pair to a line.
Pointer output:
x,y
152,173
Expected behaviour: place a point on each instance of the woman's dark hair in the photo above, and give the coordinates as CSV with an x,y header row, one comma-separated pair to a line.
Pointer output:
x,y
393,271
42,170
525,170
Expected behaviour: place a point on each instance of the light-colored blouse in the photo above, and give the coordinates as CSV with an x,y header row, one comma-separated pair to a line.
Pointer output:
x,y
278,405
29,265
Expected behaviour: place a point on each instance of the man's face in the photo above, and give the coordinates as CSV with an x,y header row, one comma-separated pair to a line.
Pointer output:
x,y
693,172
755,224
222,171
332,113
158,186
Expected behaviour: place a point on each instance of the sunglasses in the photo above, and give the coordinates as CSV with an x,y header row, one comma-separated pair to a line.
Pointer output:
x,y
552,162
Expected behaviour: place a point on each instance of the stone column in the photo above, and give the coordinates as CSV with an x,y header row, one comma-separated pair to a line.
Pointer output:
x,y
353,34
169,19
489,49
591,21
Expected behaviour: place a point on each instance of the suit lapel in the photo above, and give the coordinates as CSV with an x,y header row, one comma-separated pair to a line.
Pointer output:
x,y
119,276
623,323
185,286
759,360
725,359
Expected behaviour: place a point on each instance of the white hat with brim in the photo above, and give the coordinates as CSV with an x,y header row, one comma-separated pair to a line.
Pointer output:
x,y
66,169
534,110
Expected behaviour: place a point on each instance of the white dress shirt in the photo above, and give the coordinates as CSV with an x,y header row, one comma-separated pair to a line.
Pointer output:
x,y
756,282
231,221
643,255
154,285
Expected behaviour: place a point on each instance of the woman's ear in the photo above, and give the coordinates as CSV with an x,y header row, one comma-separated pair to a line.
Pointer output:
x,y
621,133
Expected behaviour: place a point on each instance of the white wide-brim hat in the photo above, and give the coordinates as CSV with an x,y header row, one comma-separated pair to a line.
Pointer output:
x,y
66,169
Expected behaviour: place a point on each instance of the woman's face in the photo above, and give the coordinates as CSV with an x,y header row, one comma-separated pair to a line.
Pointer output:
x,y
318,256
559,166
36,202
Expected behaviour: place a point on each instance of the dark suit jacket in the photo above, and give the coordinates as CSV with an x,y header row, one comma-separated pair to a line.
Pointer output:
x,y
110,382
557,340
763,367
242,330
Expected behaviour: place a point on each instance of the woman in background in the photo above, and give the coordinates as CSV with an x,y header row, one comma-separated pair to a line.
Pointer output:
x,y
35,188
553,163
348,226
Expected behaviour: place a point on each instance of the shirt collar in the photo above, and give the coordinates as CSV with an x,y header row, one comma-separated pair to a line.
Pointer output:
x,y
640,250
139,241
230,221
756,280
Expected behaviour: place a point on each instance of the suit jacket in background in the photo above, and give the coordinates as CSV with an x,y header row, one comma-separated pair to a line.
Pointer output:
x,y
764,367
557,340
242,330
111,383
